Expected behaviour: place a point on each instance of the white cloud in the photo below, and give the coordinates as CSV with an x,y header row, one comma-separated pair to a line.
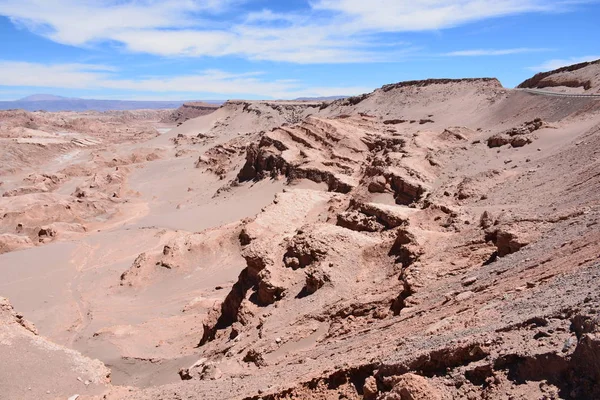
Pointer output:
x,y
77,22
419,15
216,82
555,64
493,52
329,31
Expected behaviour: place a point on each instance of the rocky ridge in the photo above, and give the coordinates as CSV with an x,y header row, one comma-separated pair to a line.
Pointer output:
x,y
433,239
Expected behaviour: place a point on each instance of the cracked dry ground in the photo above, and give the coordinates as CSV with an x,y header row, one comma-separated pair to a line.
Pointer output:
x,y
400,260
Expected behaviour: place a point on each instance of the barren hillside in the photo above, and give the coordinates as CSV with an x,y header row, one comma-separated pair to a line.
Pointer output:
x,y
432,239
579,78
190,110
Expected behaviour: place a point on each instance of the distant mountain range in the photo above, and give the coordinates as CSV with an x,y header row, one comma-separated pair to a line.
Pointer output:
x,y
52,103
49,102
46,97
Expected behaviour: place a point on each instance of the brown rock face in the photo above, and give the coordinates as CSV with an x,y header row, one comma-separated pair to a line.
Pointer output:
x,y
516,137
189,111
509,240
370,388
316,278
252,356
412,387
10,242
583,75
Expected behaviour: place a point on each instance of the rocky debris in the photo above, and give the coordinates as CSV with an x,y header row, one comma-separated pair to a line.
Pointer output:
x,y
383,143
410,387
394,121
428,82
50,180
316,278
190,110
138,156
389,215
202,370
101,188
264,246
330,152
408,188
10,242
407,251
509,242
469,281
182,253
9,315
284,151
379,185
573,76
263,161
254,357
38,188
373,217
517,137
210,372
245,116
46,234
585,358
456,134
43,217
219,159
486,220
464,296
51,232
138,263
358,221
478,185
190,140
511,239
370,388
406,247
303,250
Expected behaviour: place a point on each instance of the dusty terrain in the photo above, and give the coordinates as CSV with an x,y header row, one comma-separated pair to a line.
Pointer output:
x,y
430,240
190,110
583,78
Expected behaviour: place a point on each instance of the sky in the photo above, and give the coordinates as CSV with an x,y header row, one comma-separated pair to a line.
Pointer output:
x,y
284,49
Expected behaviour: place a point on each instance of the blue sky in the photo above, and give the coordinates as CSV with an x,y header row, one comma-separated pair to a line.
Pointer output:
x,y
220,49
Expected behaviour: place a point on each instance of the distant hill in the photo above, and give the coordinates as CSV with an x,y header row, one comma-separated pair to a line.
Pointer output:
x,y
191,110
51,103
327,98
44,97
579,78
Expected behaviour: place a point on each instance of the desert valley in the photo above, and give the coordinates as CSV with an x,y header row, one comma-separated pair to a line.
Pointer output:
x,y
434,239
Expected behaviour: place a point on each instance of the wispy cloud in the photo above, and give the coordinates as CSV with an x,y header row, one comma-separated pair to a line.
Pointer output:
x,y
216,82
420,15
494,52
325,31
559,63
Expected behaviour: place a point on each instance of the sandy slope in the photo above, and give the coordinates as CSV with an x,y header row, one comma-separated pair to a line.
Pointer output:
x,y
189,111
433,239
581,78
